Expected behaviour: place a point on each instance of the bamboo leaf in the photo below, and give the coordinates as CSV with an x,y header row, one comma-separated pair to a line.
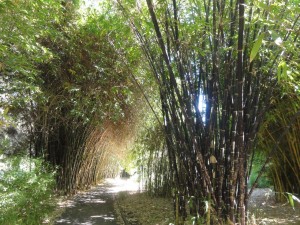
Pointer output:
x,y
282,71
295,198
193,220
291,200
256,47
213,159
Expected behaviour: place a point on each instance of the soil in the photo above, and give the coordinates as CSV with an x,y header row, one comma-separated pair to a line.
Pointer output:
x,y
141,209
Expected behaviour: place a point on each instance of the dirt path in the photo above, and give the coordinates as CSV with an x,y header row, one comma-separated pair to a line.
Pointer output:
x,y
95,206
264,209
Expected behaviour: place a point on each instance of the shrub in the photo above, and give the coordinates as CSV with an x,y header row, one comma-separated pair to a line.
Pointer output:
x,y
26,191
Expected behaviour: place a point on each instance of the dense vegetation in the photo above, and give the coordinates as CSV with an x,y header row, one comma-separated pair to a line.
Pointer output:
x,y
26,191
199,91
67,82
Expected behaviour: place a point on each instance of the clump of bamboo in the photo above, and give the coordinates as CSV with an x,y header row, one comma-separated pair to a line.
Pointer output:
x,y
85,153
207,52
151,158
284,167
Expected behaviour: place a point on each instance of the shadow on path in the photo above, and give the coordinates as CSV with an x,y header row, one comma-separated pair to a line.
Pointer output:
x,y
96,206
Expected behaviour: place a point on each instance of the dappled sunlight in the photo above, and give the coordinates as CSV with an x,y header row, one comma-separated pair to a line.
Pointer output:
x,y
67,203
265,210
105,217
96,201
66,221
96,205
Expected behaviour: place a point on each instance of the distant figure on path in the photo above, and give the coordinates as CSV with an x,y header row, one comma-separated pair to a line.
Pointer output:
x,y
124,174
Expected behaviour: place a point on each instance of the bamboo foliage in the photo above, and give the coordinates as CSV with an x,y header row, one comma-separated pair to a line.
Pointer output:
x,y
201,50
150,156
284,167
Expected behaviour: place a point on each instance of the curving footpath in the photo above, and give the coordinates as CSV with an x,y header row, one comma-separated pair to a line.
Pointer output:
x,y
96,206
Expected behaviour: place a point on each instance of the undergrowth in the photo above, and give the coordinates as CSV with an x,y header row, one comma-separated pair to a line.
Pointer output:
x,y
26,191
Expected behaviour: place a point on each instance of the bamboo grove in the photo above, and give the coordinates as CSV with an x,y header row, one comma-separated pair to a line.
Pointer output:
x,y
64,80
81,89
215,85
81,128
